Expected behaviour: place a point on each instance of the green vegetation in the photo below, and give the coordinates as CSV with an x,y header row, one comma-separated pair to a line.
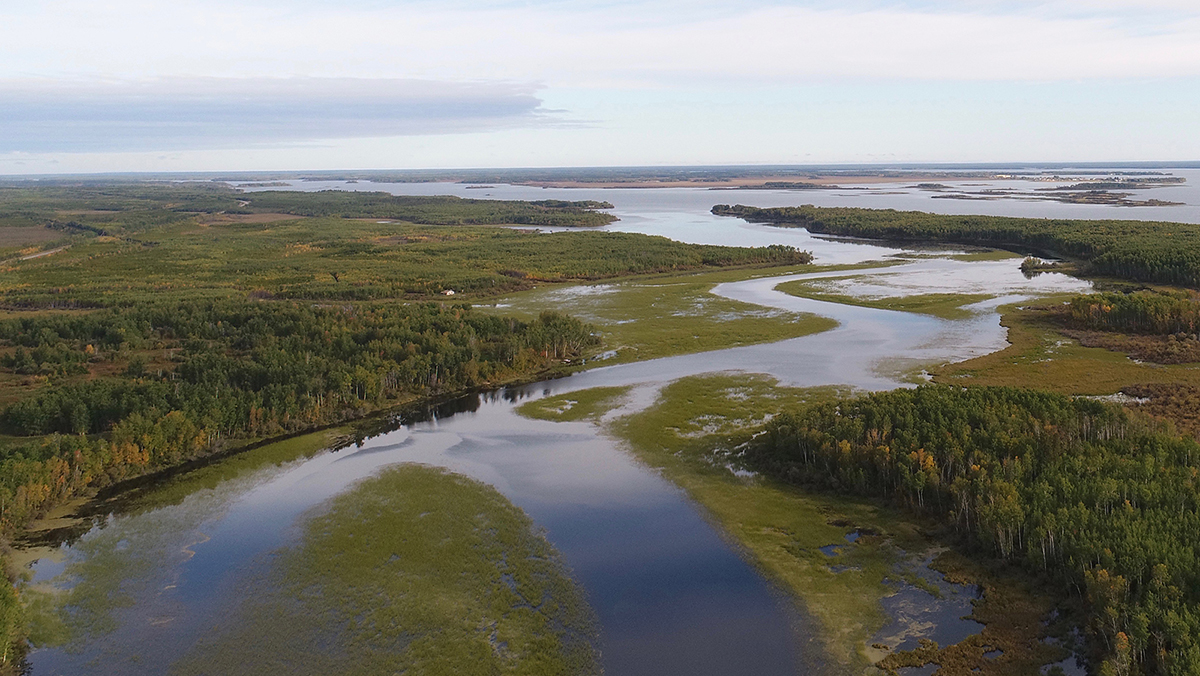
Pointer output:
x,y
127,242
225,317
344,260
1075,490
241,370
944,305
695,434
1039,355
413,571
120,207
1144,311
660,316
584,405
440,210
1167,253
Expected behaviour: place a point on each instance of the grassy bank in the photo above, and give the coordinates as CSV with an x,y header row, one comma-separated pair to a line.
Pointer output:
x,y
664,315
944,305
1040,356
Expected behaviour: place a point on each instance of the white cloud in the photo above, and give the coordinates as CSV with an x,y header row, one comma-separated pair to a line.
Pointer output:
x,y
572,43
183,113
299,83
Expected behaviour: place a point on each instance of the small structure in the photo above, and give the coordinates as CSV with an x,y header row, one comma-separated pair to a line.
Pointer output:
x,y
448,292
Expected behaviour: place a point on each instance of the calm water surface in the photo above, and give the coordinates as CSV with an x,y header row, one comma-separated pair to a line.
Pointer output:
x,y
684,213
673,596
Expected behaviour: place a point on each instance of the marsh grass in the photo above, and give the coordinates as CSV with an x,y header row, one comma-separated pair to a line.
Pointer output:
x,y
692,434
584,405
665,315
1040,356
107,567
415,570
944,305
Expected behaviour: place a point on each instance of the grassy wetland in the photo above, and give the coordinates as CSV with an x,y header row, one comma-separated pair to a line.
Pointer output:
x,y
944,305
664,315
413,570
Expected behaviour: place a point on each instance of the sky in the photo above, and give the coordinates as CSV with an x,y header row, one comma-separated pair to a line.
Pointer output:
x,y
214,85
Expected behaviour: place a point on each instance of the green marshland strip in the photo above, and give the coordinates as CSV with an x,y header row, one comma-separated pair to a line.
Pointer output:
x,y
666,315
415,570
944,305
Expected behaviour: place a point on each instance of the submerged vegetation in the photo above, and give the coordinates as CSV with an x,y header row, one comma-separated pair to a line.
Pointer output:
x,y
1166,253
412,571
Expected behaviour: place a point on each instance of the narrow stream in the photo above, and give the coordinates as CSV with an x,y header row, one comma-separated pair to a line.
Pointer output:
x,y
672,595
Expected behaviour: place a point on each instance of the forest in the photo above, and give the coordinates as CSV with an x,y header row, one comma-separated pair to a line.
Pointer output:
x,y
231,372
1158,252
202,375
1079,492
1148,311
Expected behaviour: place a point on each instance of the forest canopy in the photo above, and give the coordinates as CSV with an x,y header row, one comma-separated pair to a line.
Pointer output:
x,y
1083,492
1144,251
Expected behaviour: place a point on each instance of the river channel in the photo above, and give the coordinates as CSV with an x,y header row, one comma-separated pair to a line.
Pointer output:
x,y
672,594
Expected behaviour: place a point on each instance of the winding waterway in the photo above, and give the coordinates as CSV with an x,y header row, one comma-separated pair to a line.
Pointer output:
x,y
673,596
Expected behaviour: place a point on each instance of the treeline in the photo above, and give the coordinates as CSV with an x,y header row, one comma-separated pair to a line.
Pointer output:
x,y
1144,311
122,208
441,210
239,369
1080,491
197,375
1166,253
